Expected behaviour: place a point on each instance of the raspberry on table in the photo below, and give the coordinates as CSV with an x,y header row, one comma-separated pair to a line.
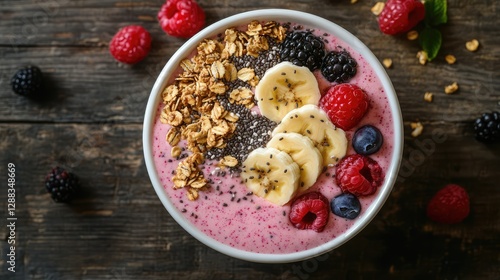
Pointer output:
x,y
449,205
399,16
487,127
310,211
181,18
345,104
61,184
28,81
338,67
359,175
303,49
130,44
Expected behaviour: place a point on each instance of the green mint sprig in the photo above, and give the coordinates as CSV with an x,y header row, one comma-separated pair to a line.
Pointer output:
x,y
430,37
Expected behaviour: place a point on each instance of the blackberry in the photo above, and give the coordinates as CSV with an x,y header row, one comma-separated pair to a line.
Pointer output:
x,y
338,67
303,49
487,127
61,184
28,81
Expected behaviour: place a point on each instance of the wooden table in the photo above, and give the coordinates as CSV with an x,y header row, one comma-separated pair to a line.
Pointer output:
x,y
117,229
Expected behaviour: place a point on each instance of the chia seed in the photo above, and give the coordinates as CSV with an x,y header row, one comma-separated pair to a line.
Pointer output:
x,y
252,131
261,63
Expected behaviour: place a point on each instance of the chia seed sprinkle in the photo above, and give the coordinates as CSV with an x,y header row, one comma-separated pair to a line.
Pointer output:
x,y
261,63
252,131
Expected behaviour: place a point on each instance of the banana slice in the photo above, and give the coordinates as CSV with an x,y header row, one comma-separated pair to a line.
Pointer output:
x,y
271,174
313,122
285,87
303,152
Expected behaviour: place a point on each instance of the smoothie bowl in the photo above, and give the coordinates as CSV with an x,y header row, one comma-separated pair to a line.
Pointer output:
x,y
273,136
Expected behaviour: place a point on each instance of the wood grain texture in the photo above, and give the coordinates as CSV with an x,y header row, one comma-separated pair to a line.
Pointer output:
x,y
118,229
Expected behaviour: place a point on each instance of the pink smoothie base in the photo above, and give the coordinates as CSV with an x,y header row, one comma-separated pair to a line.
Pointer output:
x,y
246,226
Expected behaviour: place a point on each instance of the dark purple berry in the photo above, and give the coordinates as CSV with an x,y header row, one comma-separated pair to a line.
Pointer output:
x,y
367,140
28,81
346,205
303,49
487,127
338,67
61,184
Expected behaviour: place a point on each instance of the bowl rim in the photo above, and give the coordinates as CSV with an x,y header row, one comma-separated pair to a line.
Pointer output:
x,y
280,15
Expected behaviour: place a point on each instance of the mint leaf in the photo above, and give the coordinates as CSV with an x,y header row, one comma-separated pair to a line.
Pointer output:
x,y
435,12
430,40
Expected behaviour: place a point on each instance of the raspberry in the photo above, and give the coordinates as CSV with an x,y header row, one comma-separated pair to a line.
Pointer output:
x,y
487,127
449,205
359,175
345,104
130,44
28,81
61,184
399,16
310,211
181,18
303,49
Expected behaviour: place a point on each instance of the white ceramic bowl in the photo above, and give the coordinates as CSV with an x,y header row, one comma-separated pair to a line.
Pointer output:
x,y
279,15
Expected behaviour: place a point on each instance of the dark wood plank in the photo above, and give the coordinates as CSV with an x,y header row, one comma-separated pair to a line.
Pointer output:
x,y
84,85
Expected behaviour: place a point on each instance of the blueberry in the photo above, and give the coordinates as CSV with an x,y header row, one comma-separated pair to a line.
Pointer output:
x,y
346,205
367,140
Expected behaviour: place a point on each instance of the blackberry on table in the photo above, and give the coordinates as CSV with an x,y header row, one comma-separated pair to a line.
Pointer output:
x,y
487,127
61,184
27,81
303,49
338,67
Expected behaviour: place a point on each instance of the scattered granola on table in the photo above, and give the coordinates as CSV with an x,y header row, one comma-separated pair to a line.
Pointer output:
x,y
451,59
472,45
417,128
449,89
428,96
387,62
412,35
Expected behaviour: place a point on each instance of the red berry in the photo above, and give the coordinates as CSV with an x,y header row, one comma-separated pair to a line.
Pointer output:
x,y
181,18
359,175
310,211
345,104
449,205
399,16
130,44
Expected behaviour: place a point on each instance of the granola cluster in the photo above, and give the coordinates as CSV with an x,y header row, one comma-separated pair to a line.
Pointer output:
x,y
190,103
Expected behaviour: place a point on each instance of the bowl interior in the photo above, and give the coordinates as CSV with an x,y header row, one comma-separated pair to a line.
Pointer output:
x,y
278,15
